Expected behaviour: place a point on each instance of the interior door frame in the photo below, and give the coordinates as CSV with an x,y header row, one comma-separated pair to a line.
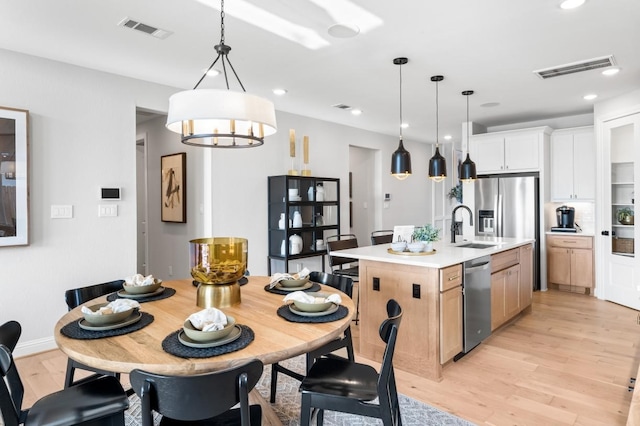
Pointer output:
x,y
142,199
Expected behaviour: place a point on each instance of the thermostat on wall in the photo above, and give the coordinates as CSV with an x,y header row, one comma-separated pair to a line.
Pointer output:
x,y
110,193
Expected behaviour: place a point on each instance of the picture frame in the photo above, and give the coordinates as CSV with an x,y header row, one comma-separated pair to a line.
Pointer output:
x,y
14,176
173,196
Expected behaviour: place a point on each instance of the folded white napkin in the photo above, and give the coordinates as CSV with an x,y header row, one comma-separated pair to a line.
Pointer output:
x,y
209,319
301,296
118,305
278,276
139,280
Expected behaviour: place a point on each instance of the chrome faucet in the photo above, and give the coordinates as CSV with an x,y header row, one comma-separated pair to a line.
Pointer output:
x,y
455,226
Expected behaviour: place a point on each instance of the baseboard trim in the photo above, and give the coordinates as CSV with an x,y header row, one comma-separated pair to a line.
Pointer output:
x,y
33,347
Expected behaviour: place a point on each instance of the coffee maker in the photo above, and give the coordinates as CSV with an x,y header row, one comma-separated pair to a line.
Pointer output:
x,y
565,217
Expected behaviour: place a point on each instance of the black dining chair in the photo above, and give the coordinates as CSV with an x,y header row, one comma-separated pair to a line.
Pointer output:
x,y
341,265
381,237
345,285
74,298
101,402
202,399
350,387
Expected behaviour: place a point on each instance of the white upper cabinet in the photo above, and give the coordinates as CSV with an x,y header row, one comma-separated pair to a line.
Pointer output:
x,y
509,151
573,163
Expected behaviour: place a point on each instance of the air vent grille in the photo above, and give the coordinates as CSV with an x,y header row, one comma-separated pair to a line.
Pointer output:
x,y
144,28
590,64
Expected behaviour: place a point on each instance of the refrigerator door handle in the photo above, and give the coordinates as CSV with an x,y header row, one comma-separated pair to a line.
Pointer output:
x,y
499,218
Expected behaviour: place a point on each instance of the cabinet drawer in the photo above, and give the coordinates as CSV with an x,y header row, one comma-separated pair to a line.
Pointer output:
x,y
450,277
570,241
505,259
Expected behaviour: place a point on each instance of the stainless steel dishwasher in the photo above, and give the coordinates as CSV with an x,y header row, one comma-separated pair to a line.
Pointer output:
x,y
476,302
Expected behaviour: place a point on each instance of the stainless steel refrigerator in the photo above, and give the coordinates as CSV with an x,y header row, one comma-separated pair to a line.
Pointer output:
x,y
508,206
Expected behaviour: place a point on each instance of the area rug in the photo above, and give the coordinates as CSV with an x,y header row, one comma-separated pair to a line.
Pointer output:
x,y
287,406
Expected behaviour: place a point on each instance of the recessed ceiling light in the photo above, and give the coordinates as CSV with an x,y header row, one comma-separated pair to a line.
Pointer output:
x,y
590,96
280,92
447,137
404,125
571,4
490,104
611,71
343,30
356,111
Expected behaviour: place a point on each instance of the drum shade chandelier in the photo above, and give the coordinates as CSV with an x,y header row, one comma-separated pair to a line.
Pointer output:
x,y
401,158
467,172
221,118
437,163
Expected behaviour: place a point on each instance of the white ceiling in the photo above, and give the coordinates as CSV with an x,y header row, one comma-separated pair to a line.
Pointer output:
x,y
491,47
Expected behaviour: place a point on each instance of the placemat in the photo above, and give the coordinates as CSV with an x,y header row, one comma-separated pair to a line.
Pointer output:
x,y
172,345
168,292
242,281
74,331
314,287
286,313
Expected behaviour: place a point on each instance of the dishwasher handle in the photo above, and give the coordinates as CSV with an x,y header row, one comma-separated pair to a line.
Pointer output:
x,y
477,268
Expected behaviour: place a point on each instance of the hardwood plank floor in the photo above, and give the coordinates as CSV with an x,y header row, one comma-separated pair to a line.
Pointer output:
x,y
566,362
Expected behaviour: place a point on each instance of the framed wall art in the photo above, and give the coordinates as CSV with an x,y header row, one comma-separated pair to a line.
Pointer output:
x,y
174,191
14,174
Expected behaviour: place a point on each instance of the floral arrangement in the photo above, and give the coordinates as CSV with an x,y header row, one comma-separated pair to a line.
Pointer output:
x,y
456,192
426,233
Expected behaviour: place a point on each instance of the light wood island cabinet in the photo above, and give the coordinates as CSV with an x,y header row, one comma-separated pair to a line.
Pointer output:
x,y
570,262
451,315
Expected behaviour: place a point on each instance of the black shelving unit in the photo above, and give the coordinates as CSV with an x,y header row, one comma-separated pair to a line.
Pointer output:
x,y
320,219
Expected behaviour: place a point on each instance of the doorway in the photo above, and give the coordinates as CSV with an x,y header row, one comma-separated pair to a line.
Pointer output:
x,y
141,205
365,198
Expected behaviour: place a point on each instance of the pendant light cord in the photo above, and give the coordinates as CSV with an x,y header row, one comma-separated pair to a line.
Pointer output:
x,y
400,101
468,132
437,120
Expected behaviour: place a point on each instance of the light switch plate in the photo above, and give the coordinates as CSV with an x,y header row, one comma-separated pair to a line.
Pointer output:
x,y
61,211
107,210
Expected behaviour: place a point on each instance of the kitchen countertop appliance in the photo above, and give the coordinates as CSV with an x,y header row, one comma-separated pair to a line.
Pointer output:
x,y
507,205
566,219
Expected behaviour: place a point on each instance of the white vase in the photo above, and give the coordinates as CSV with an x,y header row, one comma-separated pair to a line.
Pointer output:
x,y
297,220
319,193
428,246
310,193
281,221
283,248
295,244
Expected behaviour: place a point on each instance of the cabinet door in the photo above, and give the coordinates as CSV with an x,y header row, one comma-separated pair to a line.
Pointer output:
x,y
562,181
526,275
497,299
584,162
512,292
559,265
450,323
488,153
521,152
582,268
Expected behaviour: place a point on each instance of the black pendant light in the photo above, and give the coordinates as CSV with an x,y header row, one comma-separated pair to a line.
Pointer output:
x,y
437,163
467,172
401,159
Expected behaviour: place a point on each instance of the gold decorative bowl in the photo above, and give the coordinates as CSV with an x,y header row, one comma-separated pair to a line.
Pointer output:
x,y
625,220
206,336
218,260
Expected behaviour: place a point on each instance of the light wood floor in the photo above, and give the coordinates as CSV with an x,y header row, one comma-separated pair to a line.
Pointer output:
x,y
567,362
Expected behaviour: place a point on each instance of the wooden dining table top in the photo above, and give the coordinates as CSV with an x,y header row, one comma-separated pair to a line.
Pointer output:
x,y
276,339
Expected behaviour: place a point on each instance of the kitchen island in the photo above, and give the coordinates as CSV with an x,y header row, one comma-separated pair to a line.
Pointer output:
x,y
429,289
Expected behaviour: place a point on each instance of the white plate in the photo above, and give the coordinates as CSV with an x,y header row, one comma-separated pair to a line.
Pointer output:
x,y
126,295
234,335
131,319
308,284
296,311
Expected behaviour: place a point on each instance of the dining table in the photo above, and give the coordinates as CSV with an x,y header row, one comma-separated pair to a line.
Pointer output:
x,y
270,332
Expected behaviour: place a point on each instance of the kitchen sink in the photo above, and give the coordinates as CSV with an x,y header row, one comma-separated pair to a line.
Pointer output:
x,y
477,245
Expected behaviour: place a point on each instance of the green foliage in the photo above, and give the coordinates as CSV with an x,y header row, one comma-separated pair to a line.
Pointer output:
x,y
456,192
624,213
426,233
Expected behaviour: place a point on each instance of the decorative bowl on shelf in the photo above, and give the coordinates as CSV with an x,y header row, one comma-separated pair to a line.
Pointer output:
x,y
206,336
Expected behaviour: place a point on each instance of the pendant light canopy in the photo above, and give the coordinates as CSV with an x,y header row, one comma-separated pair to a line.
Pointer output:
x,y
221,118
401,159
467,172
437,163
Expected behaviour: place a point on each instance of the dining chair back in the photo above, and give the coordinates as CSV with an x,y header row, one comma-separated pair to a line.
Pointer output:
x,y
339,264
345,285
74,298
99,402
350,387
381,237
198,399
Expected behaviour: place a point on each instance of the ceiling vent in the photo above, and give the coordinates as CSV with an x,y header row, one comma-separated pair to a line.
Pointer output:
x,y
144,28
590,64
341,106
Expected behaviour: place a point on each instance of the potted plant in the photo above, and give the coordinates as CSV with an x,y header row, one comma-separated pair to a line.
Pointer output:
x,y
625,216
426,234
456,192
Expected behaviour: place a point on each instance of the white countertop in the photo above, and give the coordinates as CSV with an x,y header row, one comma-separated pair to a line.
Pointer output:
x,y
446,254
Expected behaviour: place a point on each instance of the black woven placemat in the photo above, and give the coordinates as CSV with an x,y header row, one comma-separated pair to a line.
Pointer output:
x,y
172,345
314,287
74,331
286,313
168,292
